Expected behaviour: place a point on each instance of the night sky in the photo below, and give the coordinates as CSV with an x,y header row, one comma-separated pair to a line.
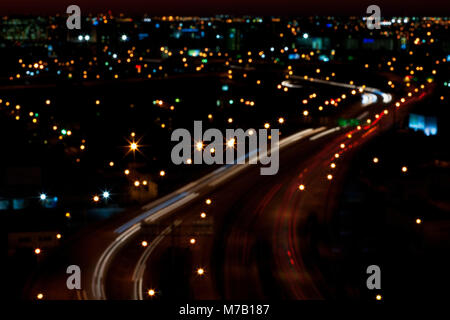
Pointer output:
x,y
206,7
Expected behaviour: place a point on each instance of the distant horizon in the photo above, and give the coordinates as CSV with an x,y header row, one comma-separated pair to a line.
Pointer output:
x,y
234,15
230,7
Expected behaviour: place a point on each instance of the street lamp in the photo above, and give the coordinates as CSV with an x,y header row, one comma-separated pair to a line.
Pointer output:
x,y
230,143
200,271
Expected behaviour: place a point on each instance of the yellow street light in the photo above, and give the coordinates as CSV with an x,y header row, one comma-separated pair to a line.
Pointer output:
x,y
199,145
230,143
200,271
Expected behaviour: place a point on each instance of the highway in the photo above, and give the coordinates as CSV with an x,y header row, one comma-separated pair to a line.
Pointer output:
x,y
255,240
